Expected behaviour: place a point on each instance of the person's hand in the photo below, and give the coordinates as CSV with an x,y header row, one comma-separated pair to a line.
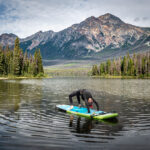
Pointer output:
x,y
79,105
71,107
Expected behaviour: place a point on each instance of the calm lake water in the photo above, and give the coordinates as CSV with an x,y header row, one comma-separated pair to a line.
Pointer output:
x,y
30,121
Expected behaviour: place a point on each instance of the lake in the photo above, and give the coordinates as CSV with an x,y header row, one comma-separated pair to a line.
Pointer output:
x,y
30,120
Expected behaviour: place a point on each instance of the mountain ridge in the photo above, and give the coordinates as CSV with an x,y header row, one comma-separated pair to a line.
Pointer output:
x,y
89,38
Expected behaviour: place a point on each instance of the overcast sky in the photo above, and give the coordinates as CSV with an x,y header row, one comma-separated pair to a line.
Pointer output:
x,y
25,17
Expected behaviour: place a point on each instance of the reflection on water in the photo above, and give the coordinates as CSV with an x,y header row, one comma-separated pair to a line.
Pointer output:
x,y
85,128
88,124
28,117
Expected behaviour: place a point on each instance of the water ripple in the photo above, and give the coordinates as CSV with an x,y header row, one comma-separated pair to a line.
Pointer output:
x,y
28,117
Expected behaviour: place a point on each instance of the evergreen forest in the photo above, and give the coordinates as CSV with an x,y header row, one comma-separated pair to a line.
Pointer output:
x,y
137,65
16,63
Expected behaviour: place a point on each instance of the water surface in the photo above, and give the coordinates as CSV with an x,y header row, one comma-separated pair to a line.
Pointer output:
x,y
29,119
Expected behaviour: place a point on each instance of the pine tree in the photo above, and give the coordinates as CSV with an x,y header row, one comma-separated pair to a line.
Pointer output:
x,y
10,65
2,62
40,65
118,66
102,69
95,70
136,65
139,64
143,66
16,58
6,55
31,65
148,63
21,61
114,70
16,63
25,64
130,67
124,66
108,65
35,64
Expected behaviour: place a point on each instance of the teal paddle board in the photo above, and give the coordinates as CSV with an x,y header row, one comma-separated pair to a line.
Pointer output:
x,y
83,112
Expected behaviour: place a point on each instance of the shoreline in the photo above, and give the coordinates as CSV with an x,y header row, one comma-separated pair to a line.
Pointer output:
x,y
9,78
65,73
120,77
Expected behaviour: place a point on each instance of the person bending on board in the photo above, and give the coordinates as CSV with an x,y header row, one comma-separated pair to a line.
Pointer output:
x,y
86,97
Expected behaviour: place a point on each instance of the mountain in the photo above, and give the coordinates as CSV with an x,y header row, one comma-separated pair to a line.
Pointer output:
x,y
7,39
38,38
95,37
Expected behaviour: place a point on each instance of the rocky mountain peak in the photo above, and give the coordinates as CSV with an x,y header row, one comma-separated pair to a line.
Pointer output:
x,y
7,39
109,18
38,38
90,37
8,35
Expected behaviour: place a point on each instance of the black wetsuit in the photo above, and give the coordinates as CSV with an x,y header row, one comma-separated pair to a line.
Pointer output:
x,y
85,95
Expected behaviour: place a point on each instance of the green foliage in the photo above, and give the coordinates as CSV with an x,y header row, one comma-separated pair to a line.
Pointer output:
x,y
17,59
15,63
40,64
37,63
108,66
136,65
102,68
124,66
95,70
2,62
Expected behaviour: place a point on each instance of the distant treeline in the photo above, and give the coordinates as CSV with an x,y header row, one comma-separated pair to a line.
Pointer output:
x,y
15,62
135,65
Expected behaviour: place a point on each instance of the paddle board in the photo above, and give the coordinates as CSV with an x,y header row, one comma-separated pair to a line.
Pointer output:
x,y
83,112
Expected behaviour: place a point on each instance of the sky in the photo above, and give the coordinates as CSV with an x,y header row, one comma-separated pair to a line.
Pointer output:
x,y
26,17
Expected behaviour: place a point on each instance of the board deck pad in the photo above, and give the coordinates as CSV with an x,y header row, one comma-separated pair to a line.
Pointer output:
x,y
83,112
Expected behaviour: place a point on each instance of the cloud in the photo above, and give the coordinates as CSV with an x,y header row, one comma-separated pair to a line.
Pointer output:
x,y
145,18
137,19
25,17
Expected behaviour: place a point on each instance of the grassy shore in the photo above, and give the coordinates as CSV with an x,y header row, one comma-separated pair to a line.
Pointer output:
x,y
67,72
121,77
24,77
69,68
70,73
84,72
